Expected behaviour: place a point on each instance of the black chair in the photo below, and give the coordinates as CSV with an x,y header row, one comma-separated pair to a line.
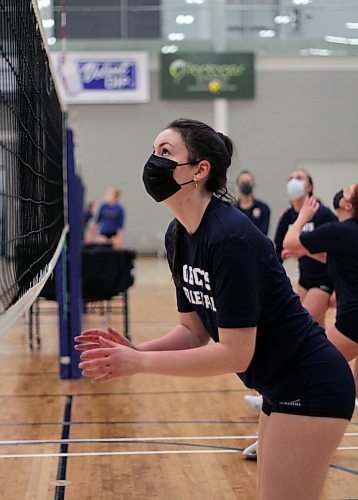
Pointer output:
x,y
107,274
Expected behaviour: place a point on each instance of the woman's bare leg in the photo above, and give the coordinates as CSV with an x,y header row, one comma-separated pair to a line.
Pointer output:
x,y
263,420
355,375
295,455
316,302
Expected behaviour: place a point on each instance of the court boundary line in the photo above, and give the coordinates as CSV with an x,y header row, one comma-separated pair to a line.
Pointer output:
x,y
134,422
138,440
141,452
139,422
62,463
141,393
122,440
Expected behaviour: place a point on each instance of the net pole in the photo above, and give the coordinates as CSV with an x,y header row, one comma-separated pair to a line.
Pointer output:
x,y
75,239
68,272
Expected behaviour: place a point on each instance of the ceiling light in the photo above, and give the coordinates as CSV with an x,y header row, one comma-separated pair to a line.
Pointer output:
x,y
352,26
341,39
194,1
48,23
301,2
176,36
169,49
282,19
266,33
51,40
315,52
44,3
188,19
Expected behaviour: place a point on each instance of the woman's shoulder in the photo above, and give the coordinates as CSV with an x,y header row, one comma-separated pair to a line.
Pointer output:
x,y
170,229
325,212
230,224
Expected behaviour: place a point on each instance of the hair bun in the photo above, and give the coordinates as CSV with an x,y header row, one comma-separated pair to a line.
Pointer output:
x,y
228,145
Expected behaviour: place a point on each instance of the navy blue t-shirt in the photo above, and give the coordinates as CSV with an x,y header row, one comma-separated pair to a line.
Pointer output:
x,y
258,213
110,218
340,241
309,269
231,277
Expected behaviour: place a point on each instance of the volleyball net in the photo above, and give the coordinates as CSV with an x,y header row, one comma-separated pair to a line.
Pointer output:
x,y
32,211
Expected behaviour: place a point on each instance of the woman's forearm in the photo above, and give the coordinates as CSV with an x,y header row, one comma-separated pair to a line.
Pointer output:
x,y
320,257
292,238
209,360
179,338
232,354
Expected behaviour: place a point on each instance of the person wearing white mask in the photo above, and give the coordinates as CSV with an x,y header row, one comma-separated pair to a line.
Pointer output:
x,y
337,244
315,286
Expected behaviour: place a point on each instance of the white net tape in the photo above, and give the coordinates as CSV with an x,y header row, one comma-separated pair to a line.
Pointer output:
x,y
11,315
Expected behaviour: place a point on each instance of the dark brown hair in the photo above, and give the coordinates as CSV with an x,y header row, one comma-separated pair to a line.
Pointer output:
x,y
354,201
202,143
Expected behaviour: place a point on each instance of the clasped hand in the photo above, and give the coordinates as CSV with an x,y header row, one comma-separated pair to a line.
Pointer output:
x,y
107,355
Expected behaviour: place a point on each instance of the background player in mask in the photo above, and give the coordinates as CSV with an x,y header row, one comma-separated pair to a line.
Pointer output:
x,y
339,242
315,286
256,210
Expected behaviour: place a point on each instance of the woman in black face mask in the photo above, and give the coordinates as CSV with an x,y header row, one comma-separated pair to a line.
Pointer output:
x,y
339,243
256,210
232,289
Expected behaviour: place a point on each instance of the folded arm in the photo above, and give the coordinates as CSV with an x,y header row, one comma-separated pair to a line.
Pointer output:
x,y
292,243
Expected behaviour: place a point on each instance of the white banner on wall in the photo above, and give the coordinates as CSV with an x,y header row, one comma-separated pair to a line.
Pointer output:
x,y
103,77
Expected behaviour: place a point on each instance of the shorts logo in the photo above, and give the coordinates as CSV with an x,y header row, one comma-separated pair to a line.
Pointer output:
x,y
297,402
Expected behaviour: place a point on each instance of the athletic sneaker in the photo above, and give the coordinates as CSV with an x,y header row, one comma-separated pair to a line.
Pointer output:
x,y
255,402
251,451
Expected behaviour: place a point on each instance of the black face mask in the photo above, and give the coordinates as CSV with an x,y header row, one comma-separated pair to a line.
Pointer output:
x,y
245,188
158,177
337,198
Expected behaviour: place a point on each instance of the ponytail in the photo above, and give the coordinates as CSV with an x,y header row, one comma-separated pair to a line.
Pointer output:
x,y
176,266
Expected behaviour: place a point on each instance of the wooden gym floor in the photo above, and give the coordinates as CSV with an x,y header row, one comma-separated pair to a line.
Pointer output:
x,y
145,437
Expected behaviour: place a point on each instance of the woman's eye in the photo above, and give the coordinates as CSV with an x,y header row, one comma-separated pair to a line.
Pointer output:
x,y
165,152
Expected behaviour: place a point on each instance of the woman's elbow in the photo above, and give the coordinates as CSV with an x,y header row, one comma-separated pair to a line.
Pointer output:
x,y
244,365
243,361
292,243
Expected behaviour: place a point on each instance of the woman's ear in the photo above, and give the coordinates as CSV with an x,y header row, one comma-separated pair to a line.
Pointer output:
x,y
203,170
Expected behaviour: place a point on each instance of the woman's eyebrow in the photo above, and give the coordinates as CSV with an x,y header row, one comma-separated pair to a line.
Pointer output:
x,y
163,144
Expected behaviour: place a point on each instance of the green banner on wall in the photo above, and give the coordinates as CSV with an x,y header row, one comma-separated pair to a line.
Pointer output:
x,y
207,75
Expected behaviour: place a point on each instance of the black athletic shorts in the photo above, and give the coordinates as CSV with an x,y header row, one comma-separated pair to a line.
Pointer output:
x,y
317,384
324,284
109,235
347,324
